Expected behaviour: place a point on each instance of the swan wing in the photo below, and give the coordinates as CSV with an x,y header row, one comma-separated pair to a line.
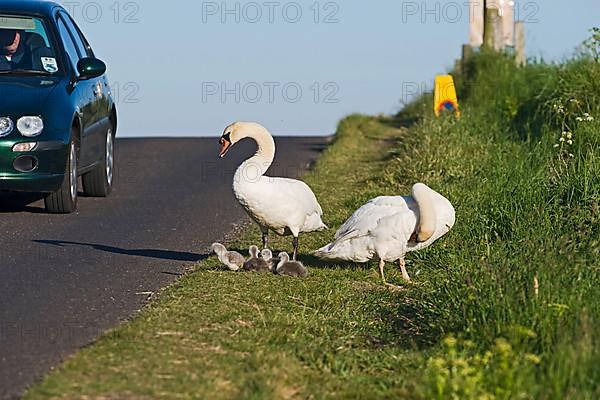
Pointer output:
x,y
380,227
299,192
280,203
368,216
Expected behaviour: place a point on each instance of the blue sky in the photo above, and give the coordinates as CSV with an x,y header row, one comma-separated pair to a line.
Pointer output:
x,y
189,68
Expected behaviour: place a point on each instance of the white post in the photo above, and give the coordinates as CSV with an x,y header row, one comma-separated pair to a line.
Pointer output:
x,y
520,54
504,35
498,27
476,23
508,25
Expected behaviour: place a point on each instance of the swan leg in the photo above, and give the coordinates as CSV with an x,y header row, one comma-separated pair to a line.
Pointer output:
x,y
295,243
402,263
389,285
381,267
265,238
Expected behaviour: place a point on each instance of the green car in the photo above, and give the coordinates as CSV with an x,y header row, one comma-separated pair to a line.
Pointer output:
x,y
58,119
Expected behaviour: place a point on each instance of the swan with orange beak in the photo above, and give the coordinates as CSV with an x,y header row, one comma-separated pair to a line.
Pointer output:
x,y
285,206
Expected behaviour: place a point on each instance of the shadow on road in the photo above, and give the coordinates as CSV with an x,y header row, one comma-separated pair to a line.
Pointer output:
x,y
149,253
20,202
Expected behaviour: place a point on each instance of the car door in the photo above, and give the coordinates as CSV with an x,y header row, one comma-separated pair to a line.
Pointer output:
x,y
82,95
100,106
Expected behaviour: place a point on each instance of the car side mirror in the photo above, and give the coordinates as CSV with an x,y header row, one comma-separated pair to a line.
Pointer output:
x,y
90,68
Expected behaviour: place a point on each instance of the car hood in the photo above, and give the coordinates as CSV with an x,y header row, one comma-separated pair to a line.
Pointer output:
x,y
25,95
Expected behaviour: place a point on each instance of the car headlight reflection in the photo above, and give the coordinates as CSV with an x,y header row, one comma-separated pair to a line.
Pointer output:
x,y
6,126
30,126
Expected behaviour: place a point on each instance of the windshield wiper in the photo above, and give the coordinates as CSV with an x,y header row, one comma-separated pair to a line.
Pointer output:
x,y
24,72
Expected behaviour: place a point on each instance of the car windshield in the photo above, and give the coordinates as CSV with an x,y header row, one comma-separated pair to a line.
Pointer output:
x,y
25,48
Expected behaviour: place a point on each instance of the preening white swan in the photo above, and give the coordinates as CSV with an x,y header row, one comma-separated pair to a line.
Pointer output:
x,y
390,227
285,206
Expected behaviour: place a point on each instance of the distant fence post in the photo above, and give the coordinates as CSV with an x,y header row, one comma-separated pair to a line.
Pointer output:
x,y
508,23
520,55
493,37
476,24
498,27
467,53
487,29
490,32
458,67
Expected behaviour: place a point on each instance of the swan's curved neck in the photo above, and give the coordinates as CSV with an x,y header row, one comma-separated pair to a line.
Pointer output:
x,y
258,165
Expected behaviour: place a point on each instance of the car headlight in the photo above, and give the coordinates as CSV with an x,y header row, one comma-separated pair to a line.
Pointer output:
x,y
30,126
6,126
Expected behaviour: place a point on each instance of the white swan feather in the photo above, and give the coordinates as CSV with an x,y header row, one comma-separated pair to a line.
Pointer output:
x,y
388,227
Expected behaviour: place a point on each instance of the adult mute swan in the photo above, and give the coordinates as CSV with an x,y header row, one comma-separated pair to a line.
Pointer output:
x,y
285,206
390,227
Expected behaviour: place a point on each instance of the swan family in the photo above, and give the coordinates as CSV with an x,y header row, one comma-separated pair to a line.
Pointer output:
x,y
386,228
287,207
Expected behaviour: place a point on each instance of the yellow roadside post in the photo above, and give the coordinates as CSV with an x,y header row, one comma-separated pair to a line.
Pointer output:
x,y
445,98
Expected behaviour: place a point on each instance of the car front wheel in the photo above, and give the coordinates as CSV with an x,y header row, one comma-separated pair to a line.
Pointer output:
x,y
99,181
64,201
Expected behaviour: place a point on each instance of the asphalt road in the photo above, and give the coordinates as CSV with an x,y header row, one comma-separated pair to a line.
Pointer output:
x,y
65,279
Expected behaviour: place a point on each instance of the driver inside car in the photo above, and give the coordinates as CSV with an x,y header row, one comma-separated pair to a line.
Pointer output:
x,y
22,50
12,50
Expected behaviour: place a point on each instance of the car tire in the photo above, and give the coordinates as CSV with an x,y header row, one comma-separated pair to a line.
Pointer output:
x,y
64,200
99,181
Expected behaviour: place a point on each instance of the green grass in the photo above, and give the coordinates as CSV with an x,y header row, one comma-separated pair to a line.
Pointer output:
x,y
471,327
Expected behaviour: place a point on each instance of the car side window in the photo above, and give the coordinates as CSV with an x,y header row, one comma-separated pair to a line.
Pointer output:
x,y
70,46
80,42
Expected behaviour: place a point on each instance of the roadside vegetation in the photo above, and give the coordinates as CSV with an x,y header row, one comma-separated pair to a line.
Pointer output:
x,y
505,307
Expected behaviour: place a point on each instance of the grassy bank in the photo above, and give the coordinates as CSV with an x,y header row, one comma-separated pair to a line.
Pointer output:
x,y
505,307
519,299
